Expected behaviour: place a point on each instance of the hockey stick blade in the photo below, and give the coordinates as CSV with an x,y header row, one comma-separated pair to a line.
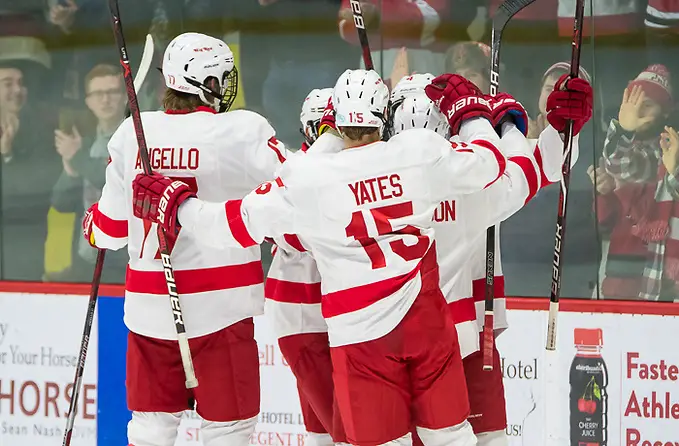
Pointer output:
x,y
145,64
557,265
504,13
184,348
359,23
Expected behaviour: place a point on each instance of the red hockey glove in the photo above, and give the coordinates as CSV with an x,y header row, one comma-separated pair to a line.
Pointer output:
x,y
507,109
572,99
458,99
157,198
328,119
88,221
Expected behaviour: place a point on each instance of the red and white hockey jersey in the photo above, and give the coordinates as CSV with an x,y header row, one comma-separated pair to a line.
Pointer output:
x,y
365,214
548,153
293,285
221,156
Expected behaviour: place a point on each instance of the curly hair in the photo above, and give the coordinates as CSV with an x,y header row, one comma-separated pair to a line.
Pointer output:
x,y
469,55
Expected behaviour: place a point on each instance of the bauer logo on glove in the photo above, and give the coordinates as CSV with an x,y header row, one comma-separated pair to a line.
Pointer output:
x,y
169,192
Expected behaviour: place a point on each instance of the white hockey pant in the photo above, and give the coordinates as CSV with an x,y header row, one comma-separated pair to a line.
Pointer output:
x,y
495,438
160,429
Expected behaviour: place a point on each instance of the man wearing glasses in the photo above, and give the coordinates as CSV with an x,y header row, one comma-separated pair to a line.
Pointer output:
x,y
84,160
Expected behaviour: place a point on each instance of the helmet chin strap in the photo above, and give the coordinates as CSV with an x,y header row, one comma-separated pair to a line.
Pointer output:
x,y
204,91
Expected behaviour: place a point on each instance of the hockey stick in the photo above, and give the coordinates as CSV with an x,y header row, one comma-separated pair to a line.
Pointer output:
x,y
504,13
145,64
557,265
362,34
146,58
183,340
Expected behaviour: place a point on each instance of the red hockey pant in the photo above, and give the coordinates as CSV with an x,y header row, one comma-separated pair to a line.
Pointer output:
x,y
308,355
413,376
227,368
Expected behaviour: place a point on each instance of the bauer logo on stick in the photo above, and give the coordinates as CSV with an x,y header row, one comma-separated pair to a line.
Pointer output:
x,y
358,15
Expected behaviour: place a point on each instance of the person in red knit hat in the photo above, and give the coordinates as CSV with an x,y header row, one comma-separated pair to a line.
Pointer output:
x,y
633,154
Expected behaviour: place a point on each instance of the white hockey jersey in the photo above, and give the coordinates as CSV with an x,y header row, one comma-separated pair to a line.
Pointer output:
x,y
221,156
293,285
467,308
365,214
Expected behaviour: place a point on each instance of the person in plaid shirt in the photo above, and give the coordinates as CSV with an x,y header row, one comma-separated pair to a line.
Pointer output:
x,y
633,155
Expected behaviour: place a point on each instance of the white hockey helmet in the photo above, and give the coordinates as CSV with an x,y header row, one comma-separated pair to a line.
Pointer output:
x,y
312,112
191,58
409,85
360,99
417,111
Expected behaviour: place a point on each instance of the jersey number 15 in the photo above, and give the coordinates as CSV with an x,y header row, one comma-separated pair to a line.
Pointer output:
x,y
358,229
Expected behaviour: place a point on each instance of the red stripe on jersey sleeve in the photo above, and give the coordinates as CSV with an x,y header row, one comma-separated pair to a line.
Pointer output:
x,y
501,160
529,172
479,288
294,242
292,292
236,225
538,158
110,227
273,145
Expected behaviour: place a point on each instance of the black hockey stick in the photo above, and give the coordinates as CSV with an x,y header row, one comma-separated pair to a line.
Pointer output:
x,y
504,13
177,313
362,34
96,280
557,265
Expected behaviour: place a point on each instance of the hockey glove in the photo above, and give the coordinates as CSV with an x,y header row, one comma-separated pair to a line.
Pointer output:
x,y
458,99
328,119
88,222
572,99
507,109
157,198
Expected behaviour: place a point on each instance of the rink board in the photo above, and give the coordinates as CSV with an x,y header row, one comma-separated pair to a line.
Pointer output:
x,y
41,327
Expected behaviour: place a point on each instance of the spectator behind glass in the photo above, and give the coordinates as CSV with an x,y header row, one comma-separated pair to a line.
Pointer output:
x,y
393,24
28,170
84,171
472,61
633,155
528,236
623,254
662,35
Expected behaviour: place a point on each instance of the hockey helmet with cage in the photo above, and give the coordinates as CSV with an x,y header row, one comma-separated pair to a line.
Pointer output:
x,y
312,112
192,59
417,111
360,99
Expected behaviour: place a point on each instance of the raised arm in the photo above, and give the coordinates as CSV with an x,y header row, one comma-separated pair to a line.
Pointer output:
x,y
517,186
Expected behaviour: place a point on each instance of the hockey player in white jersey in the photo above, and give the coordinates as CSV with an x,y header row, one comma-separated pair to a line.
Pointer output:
x,y
365,215
293,306
219,155
486,393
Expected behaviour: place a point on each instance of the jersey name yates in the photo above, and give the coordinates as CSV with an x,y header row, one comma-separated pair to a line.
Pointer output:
x,y
171,158
372,189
